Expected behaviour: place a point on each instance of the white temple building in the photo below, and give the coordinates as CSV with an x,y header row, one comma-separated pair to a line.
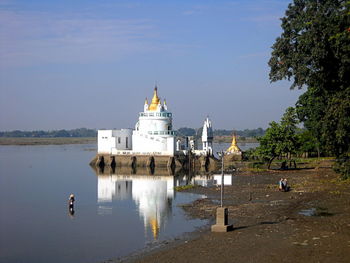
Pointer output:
x,y
153,135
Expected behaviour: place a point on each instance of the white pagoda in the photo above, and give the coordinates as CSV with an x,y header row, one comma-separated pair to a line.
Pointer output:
x,y
207,137
153,134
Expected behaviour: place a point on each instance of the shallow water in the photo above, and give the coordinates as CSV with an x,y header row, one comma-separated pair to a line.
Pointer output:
x,y
114,215
308,212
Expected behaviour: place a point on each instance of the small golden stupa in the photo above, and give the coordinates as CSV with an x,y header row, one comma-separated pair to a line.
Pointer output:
x,y
155,101
234,147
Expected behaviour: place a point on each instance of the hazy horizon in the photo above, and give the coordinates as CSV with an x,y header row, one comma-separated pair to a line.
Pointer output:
x,y
71,64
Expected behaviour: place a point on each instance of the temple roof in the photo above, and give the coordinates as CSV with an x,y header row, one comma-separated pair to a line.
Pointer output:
x,y
155,101
234,147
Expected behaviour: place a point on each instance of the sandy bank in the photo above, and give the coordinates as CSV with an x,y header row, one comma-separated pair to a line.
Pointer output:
x,y
271,226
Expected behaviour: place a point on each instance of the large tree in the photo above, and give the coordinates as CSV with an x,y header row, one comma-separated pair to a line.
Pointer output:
x,y
313,53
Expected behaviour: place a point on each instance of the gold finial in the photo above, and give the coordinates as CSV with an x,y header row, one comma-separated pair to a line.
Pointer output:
x,y
146,101
155,100
234,147
164,102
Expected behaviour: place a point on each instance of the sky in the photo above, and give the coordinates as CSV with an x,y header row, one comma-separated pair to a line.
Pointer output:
x,y
91,63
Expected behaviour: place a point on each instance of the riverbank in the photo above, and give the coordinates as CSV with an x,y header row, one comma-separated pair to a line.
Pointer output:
x,y
47,141
308,224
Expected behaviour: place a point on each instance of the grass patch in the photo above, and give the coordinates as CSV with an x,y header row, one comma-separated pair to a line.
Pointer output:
x,y
184,187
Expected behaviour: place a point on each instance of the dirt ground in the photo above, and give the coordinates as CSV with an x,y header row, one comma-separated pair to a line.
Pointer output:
x,y
310,223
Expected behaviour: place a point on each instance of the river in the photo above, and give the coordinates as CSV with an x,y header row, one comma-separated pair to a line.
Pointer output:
x,y
114,215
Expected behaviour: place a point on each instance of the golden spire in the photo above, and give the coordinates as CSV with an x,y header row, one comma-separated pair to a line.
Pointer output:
x,y
164,102
155,101
234,147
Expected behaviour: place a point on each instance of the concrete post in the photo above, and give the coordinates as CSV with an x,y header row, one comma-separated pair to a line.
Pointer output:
x,y
221,221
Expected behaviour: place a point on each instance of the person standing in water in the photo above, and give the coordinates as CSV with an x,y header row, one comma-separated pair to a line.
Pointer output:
x,y
71,201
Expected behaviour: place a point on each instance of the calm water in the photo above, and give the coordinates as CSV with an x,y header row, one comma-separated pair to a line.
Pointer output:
x,y
115,214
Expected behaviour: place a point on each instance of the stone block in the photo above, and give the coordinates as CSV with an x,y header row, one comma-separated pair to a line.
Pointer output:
x,y
221,228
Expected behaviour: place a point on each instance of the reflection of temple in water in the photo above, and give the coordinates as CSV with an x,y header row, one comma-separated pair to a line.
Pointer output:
x,y
152,193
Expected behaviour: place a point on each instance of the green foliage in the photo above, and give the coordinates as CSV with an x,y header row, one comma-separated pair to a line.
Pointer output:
x,y
307,143
342,166
280,139
314,46
313,51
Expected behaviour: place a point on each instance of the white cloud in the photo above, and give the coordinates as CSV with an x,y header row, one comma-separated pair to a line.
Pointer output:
x,y
28,38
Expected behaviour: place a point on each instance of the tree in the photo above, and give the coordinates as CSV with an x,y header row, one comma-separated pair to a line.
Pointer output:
x,y
271,143
307,143
313,52
280,139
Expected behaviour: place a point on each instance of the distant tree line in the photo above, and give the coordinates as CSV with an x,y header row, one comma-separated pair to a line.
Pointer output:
x,y
220,132
82,132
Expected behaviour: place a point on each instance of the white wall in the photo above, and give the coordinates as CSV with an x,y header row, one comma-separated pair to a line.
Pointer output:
x,y
153,124
148,144
105,141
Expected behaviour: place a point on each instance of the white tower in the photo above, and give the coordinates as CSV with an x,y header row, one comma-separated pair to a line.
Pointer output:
x,y
153,132
207,137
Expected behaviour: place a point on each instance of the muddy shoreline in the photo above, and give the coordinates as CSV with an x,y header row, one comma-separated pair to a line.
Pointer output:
x,y
308,224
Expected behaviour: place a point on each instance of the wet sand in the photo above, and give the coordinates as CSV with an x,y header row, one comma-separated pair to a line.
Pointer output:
x,y
311,223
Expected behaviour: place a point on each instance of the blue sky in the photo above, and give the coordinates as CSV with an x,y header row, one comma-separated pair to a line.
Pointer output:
x,y
84,63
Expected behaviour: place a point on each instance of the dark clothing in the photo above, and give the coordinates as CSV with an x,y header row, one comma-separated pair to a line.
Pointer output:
x,y
71,202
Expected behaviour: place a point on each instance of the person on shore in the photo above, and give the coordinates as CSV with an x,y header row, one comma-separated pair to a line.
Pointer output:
x,y
281,185
285,185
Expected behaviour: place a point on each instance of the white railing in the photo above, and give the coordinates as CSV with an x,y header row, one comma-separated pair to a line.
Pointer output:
x,y
161,132
155,114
